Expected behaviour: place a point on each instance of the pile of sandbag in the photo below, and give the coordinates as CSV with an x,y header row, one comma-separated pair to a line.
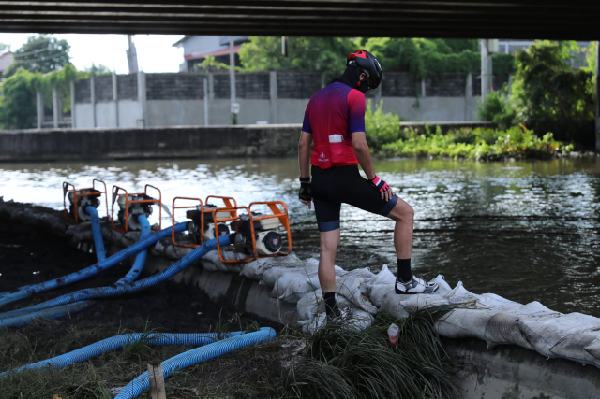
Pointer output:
x,y
489,317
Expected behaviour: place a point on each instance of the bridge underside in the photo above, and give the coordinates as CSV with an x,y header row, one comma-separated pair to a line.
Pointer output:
x,y
574,19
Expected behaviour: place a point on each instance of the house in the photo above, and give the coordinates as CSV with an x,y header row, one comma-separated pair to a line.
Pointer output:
x,y
6,59
197,48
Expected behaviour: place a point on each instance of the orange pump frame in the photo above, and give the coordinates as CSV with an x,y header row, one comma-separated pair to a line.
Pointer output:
x,y
228,202
115,192
77,195
279,210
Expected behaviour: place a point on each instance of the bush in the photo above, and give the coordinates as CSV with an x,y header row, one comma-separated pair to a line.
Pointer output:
x,y
497,108
477,144
382,127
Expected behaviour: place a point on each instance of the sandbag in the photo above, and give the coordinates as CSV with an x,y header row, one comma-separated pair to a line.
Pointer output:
x,y
355,291
291,286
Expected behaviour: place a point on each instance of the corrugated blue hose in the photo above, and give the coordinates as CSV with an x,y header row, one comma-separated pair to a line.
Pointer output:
x,y
116,290
96,233
118,342
90,271
138,264
141,383
54,312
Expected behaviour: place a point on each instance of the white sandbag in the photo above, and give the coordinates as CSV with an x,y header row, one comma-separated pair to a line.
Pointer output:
x,y
353,289
412,302
362,272
460,296
359,320
270,276
594,348
308,306
565,336
464,322
313,325
211,261
290,287
503,328
378,286
444,287
391,305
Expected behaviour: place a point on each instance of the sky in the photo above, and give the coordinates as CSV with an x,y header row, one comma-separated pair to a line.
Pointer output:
x,y
155,52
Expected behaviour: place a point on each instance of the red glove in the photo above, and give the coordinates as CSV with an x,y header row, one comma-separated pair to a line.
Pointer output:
x,y
379,184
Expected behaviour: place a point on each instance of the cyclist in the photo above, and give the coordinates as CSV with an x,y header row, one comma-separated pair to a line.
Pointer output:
x,y
334,123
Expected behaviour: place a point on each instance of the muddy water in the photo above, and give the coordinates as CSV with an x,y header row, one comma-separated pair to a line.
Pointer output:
x,y
527,231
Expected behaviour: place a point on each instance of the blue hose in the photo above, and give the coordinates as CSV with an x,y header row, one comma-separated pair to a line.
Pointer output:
x,y
54,312
96,233
90,271
114,290
119,341
141,383
138,264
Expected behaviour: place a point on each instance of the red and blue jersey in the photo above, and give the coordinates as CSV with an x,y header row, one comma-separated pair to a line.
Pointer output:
x,y
332,115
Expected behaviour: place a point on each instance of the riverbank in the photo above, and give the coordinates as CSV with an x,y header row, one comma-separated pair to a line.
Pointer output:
x,y
457,140
246,295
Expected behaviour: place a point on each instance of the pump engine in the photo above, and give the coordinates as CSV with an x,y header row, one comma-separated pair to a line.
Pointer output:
x,y
75,201
131,205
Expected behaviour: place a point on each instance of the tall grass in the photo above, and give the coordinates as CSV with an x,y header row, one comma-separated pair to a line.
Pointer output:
x,y
342,363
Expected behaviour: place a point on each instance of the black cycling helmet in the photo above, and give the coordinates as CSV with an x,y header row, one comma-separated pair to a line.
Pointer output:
x,y
368,63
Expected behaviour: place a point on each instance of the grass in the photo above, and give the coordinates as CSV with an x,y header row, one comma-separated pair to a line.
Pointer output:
x,y
341,363
334,363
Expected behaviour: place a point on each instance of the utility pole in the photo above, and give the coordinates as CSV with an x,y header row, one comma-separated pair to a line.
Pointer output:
x,y
235,107
132,62
597,97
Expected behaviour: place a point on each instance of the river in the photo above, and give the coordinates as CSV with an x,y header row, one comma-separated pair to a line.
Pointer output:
x,y
525,230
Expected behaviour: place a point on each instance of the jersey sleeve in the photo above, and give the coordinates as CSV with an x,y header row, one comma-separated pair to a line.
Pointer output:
x,y
357,104
306,124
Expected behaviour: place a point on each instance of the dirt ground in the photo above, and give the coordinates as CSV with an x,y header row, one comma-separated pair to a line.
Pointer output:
x,y
28,256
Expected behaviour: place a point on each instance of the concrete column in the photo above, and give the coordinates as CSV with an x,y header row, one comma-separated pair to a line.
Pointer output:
x,y
423,88
93,101
598,96
39,102
115,94
141,84
486,69
73,111
211,86
55,108
273,97
469,98
205,99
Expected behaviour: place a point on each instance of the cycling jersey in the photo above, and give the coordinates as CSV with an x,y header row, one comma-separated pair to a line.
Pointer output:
x,y
332,115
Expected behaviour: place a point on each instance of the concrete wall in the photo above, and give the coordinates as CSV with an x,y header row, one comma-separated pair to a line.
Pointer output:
x,y
145,143
177,99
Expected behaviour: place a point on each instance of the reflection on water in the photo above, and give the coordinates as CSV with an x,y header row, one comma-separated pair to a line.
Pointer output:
x,y
528,231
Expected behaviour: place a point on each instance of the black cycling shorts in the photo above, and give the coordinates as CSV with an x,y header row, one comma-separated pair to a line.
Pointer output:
x,y
344,184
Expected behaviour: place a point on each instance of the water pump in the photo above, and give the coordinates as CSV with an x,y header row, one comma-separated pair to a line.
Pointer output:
x,y
75,201
131,205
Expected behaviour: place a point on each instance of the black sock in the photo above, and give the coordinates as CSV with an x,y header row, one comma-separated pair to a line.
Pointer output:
x,y
404,270
331,309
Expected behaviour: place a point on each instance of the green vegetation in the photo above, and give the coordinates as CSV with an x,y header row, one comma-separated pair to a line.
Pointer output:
x,y
342,363
477,144
41,54
548,93
313,54
419,56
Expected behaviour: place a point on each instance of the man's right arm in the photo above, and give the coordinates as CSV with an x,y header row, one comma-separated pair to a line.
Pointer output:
x,y
361,150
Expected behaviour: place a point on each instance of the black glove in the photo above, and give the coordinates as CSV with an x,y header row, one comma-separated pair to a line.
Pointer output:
x,y
305,193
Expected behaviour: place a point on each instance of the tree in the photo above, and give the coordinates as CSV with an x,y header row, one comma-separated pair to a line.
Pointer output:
x,y
98,70
41,54
310,54
18,107
3,47
552,95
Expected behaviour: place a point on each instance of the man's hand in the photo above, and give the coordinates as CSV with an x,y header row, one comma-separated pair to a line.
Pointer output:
x,y
305,193
380,185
